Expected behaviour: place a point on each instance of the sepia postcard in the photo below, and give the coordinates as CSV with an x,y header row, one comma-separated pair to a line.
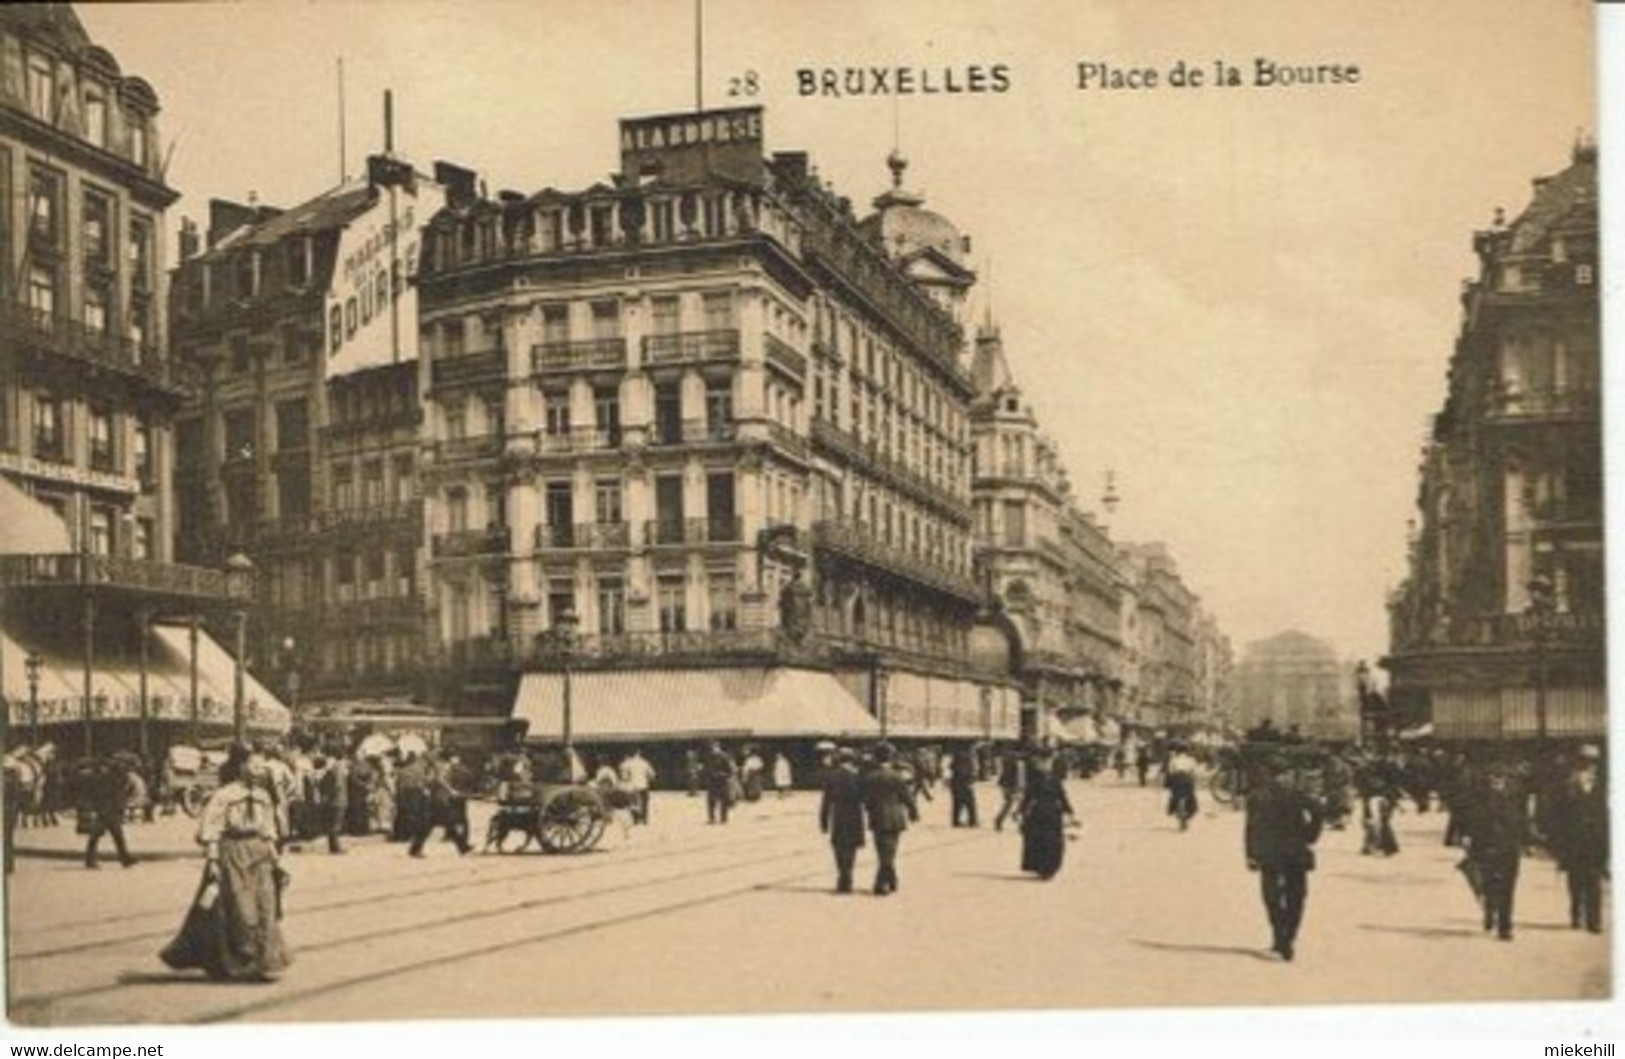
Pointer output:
x,y
696,508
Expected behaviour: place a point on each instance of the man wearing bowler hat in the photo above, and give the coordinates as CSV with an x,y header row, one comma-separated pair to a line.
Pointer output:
x,y
840,815
1283,824
889,802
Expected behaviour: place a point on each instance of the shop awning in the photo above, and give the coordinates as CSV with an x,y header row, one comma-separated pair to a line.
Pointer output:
x,y
1501,713
28,527
932,707
115,685
627,705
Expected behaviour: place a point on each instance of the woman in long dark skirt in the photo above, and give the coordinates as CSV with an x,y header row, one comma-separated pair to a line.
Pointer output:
x,y
239,829
1045,810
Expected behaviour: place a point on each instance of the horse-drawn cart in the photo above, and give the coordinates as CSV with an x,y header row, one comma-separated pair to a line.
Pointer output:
x,y
558,818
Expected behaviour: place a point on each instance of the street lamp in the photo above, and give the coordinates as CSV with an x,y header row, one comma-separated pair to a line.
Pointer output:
x,y
564,642
240,589
290,662
32,666
882,684
1541,606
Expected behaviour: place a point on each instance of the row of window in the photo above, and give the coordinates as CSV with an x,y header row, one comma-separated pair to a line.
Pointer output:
x,y
51,425
99,231
680,605
872,361
54,89
659,218
348,576
559,508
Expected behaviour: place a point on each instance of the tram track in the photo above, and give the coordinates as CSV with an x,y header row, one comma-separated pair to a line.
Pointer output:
x,y
24,1006
468,875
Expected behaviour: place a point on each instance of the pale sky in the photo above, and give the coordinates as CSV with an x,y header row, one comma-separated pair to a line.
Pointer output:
x,y
1242,300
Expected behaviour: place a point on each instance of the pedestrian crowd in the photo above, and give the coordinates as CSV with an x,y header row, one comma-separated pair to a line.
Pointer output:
x,y
307,793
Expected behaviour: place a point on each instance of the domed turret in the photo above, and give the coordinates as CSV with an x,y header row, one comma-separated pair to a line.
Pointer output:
x,y
928,246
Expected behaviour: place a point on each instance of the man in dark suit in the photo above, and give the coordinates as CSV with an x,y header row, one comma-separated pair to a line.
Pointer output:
x,y
1497,828
720,774
840,815
888,799
102,798
962,786
1579,837
1283,824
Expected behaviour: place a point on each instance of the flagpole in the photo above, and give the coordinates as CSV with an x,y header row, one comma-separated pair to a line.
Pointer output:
x,y
699,54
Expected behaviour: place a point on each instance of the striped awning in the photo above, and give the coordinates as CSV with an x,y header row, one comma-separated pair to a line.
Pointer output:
x,y
115,685
753,702
932,707
1503,713
28,527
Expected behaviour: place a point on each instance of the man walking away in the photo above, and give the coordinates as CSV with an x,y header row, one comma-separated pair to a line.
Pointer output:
x,y
1011,773
334,788
1497,827
888,800
719,780
840,816
1580,839
636,777
1283,824
962,786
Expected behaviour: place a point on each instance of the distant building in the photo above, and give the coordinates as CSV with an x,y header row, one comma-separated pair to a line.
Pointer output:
x,y
1053,571
1295,680
103,631
1499,628
1166,624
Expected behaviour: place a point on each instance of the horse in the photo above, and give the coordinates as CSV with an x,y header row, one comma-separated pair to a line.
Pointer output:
x,y
28,771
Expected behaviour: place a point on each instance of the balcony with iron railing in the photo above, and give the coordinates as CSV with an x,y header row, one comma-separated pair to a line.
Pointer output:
x,y
1514,405
788,440
104,571
676,532
895,472
668,432
598,354
1569,511
578,440
856,542
691,347
472,543
469,369
780,353
593,536
25,326
468,449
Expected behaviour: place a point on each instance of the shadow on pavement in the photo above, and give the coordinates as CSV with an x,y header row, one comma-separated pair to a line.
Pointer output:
x,y
1422,932
1208,950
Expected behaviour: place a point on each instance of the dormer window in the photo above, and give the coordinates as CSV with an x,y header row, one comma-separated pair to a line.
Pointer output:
x,y
40,87
96,117
139,145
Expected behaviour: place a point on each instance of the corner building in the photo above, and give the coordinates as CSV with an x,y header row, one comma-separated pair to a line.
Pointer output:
x,y
719,422
1499,630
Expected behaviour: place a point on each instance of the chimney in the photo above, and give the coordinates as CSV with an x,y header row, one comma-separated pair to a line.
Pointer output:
x,y
189,239
226,217
459,183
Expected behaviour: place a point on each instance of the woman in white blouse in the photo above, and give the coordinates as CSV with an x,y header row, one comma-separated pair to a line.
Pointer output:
x,y
239,829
